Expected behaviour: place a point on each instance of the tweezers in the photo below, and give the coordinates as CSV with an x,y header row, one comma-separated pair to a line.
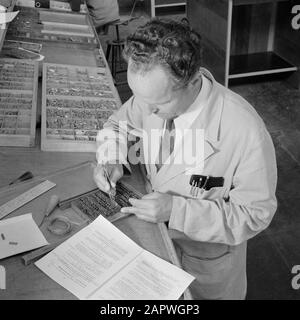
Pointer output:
x,y
112,191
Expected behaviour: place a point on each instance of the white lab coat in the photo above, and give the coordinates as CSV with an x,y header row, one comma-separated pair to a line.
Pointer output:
x,y
211,231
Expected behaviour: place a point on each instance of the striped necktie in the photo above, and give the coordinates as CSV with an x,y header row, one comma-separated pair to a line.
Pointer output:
x,y
167,143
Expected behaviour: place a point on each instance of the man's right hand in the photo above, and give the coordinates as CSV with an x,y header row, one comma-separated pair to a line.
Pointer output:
x,y
115,172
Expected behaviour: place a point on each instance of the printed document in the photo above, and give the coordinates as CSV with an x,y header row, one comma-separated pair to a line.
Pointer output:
x,y
101,262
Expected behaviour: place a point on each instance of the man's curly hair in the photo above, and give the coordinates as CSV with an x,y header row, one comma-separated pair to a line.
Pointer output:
x,y
168,43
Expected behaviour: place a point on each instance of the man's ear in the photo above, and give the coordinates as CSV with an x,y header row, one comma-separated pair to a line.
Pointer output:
x,y
196,80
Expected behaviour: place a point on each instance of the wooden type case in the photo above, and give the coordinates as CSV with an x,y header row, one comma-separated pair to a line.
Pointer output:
x,y
18,97
76,101
38,25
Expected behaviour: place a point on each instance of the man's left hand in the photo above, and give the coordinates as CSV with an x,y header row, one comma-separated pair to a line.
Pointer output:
x,y
153,207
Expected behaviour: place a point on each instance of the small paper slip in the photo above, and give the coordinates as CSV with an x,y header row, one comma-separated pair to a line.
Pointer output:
x,y
7,16
19,234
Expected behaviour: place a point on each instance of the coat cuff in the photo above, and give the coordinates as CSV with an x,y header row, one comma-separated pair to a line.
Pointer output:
x,y
177,216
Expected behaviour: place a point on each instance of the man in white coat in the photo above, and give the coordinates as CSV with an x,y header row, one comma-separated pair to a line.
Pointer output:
x,y
215,203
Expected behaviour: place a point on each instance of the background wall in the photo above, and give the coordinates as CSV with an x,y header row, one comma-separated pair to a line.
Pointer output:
x,y
125,4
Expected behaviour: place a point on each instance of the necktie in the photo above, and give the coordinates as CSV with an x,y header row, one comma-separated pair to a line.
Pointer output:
x,y
167,143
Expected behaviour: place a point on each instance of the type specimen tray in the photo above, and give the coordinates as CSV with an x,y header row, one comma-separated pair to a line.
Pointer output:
x,y
38,25
18,95
76,102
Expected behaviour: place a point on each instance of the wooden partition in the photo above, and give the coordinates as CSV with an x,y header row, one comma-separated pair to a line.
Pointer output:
x,y
152,6
287,39
244,38
212,20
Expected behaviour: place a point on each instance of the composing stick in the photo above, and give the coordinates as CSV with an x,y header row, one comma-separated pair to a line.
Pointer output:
x,y
25,197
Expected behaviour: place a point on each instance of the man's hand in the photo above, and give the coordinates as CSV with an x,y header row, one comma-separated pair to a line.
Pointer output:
x,y
153,207
115,172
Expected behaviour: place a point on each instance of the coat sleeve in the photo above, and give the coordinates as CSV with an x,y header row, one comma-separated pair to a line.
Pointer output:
x,y
112,140
248,210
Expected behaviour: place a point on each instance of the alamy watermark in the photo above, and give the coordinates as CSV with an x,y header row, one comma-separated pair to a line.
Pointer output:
x,y
141,146
296,279
295,22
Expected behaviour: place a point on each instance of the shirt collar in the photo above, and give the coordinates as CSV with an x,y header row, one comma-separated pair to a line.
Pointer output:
x,y
186,119
207,108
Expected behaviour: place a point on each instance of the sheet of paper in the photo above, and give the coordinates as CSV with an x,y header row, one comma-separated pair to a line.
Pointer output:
x,y
88,259
19,234
100,262
146,278
7,16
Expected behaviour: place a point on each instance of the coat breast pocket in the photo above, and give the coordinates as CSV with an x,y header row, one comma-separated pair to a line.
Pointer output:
x,y
206,186
213,193
182,185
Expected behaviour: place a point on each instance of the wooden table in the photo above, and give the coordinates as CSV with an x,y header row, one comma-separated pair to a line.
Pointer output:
x,y
29,282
